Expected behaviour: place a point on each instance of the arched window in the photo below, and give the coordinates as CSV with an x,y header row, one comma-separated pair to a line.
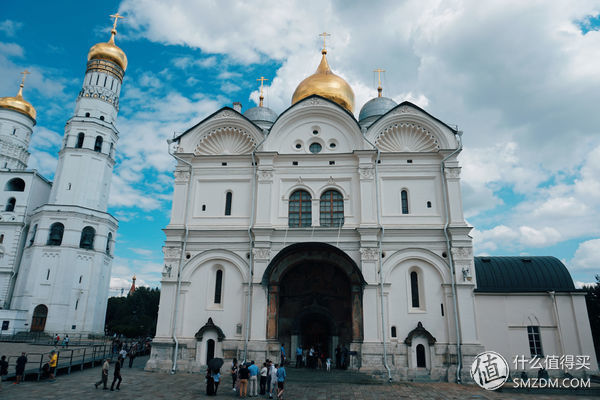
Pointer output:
x,y
421,356
108,240
394,334
80,138
10,204
98,144
218,286
300,210
56,234
2,238
15,185
87,238
414,288
228,198
404,197
332,209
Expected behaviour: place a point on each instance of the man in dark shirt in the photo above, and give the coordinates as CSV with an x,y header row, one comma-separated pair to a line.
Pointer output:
x,y
244,376
117,375
20,370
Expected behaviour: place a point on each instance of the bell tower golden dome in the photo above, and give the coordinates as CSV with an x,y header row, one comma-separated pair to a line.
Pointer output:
x,y
326,84
109,50
18,103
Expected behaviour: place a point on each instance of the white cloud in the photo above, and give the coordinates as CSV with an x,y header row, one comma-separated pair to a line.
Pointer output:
x,y
11,49
587,256
10,28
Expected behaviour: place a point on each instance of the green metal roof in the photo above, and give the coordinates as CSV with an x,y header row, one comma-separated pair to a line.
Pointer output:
x,y
522,274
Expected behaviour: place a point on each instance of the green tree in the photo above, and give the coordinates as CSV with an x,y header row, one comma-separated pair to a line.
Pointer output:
x,y
592,299
134,315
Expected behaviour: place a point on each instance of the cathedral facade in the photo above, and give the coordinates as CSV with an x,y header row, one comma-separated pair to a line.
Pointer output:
x,y
313,228
57,238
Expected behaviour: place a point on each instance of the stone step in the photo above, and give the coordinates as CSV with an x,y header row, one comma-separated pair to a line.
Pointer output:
x,y
306,375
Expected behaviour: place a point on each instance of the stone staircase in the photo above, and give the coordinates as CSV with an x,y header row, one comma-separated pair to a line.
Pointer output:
x,y
306,375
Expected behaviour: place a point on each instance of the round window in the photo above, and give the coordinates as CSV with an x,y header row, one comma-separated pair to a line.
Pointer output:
x,y
315,148
298,145
315,132
332,145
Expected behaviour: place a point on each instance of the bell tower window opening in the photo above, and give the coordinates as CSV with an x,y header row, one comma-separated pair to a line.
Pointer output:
x,y
10,204
228,200
15,185
218,286
56,234
87,238
98,144
404,198
80,138
300,210
33,232
332,209
108,240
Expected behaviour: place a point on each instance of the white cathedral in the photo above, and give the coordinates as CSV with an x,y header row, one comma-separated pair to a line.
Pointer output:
x,y
314,228
56,238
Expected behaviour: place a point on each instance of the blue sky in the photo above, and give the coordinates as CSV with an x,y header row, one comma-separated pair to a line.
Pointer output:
x,y
519,78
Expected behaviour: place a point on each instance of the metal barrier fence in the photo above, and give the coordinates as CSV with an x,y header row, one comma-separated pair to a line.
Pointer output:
x,y
43,338
68,360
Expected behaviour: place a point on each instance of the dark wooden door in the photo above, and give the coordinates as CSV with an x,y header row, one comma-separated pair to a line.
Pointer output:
x,y
38,322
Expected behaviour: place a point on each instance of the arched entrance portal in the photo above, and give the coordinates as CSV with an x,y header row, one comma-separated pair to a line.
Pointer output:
x,y
38,322
315,297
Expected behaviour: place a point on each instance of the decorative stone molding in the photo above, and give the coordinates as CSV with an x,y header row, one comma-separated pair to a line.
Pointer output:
x,y
224,114
97,92
312,102
226,140
366,172
331,181
265,175
462,253
452,173
405,110
369,253
406,137
49,255
419,331
182,176
172,252
261,253
210,325
84,257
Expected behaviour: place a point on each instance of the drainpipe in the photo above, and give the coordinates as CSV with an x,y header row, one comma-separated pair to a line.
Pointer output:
x,y
379,245
449,251
180,266
251,245
557,320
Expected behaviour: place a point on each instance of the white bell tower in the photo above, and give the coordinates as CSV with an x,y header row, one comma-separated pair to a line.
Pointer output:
x,y
65,272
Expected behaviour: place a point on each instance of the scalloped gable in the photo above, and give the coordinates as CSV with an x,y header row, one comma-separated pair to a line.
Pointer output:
x,y
409,128
226,131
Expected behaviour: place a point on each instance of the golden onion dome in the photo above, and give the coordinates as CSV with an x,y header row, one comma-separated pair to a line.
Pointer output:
x,y
109,51
19,104
326,84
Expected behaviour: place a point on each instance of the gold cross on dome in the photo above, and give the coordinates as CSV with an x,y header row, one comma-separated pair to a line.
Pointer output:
x,y
262,80
379,88
116,16
324,35
25,73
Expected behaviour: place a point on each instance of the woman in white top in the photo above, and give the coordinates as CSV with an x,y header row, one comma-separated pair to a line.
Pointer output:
x,y
263,379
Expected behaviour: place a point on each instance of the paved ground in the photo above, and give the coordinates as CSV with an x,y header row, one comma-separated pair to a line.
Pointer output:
x,y
138,384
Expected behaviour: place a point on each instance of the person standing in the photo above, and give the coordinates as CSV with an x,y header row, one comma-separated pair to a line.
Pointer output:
x,y
263,379
122,355
20,369
282,354
216,379
210,383
298,356
234,373
132,354
253,382
273,381
117,376
281,375
244,374
3,369
66,341
104,377
52,364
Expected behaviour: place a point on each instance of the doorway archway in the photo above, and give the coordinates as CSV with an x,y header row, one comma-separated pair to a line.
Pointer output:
x,y
38,321
315,297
